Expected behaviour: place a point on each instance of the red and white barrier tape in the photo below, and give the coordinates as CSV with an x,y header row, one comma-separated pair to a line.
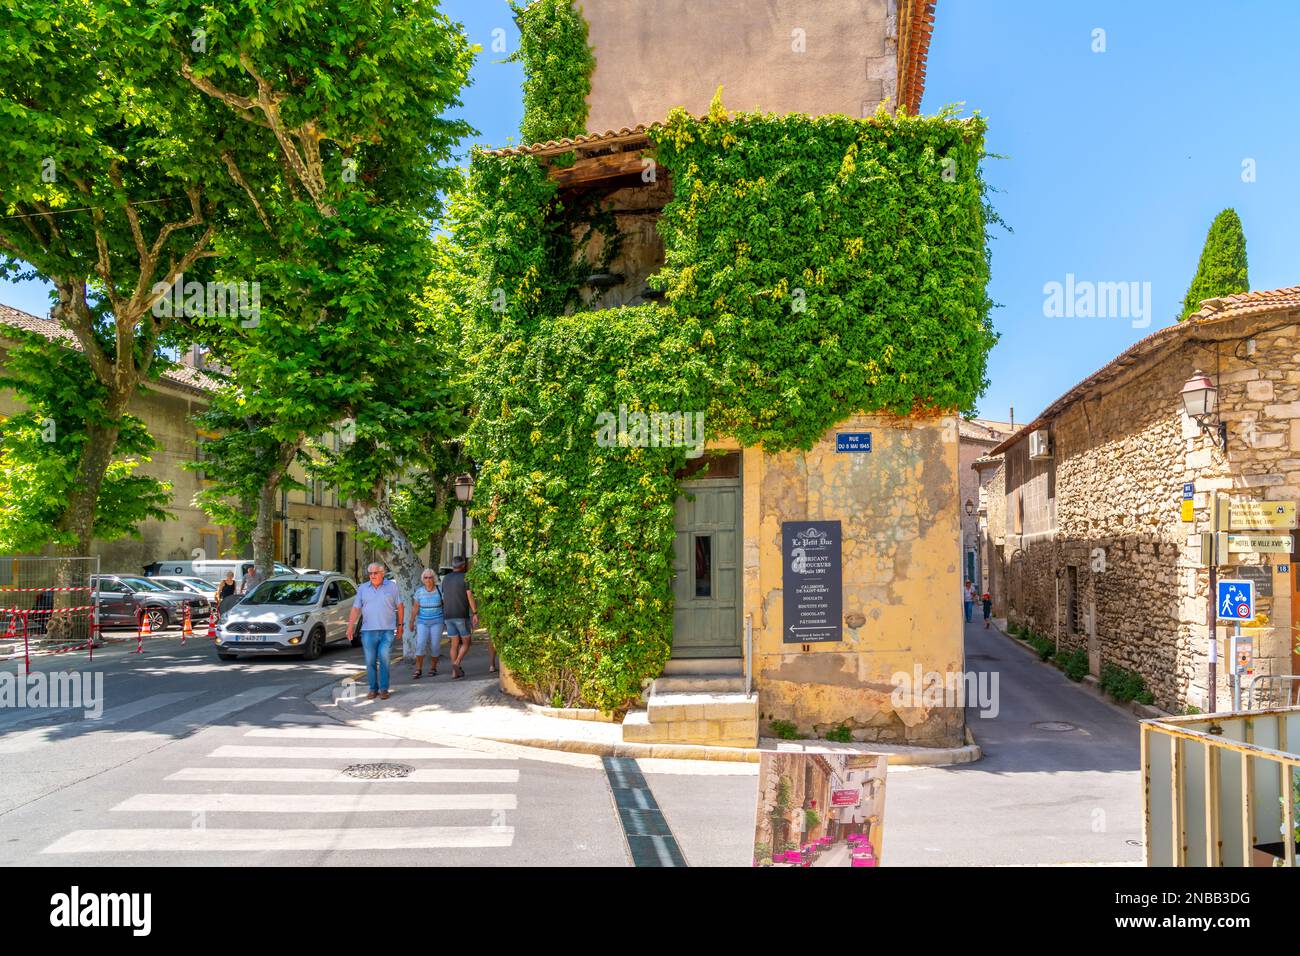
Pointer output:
x,y
27,590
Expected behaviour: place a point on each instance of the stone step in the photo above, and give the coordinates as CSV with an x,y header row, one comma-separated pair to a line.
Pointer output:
x,y
696,666
637,728
667,708
699,684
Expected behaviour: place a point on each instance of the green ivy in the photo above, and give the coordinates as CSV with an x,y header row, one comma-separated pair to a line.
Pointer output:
x,y
874,226
557,66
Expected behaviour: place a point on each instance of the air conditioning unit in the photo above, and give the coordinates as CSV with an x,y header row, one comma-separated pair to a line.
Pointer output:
x,y
1040,444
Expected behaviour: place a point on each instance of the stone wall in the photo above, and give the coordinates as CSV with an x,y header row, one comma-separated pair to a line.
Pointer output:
x,y
1115,483
779,56
902,580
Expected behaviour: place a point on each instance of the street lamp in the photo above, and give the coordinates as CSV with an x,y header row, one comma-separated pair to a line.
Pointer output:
x,y
464,493
970,507
1201,401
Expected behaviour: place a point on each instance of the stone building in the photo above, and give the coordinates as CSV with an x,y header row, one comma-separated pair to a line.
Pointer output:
x,y
1097,552
898,506
976,438
315,527
991,512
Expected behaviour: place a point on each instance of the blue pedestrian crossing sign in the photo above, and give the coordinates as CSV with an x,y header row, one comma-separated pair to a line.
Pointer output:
x,y
1236,600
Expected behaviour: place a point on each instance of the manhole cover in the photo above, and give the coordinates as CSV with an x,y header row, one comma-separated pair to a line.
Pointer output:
x,y
377,771
1133,842
1055,726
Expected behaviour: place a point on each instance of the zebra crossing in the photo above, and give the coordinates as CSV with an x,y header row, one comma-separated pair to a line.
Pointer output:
x,y
220,804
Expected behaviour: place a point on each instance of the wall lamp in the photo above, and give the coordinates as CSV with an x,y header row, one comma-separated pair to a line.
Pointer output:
x,y
1201,401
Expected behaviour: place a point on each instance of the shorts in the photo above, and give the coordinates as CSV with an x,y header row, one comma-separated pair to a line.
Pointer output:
x,y
428,638
458,627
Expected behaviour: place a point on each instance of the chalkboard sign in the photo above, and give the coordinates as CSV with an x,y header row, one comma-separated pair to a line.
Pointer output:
x,y
812,582
1261,575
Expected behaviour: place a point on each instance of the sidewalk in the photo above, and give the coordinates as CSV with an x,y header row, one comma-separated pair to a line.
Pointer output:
x,y
474,712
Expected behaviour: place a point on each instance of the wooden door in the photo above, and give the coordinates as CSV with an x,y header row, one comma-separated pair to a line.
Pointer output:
x,y
706,566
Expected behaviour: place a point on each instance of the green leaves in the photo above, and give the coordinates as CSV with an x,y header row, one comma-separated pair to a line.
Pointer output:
x,y
1222,269
815,267
557,69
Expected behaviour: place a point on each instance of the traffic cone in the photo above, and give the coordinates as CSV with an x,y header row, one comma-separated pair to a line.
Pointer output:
x,y
212,624
144,632
187,629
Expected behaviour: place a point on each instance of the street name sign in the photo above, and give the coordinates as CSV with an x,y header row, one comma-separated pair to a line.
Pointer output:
x,y
859,442
1262,516
812,582
1236,600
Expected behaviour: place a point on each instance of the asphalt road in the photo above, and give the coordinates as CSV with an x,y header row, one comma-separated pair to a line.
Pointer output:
x,y
1042,794
195,761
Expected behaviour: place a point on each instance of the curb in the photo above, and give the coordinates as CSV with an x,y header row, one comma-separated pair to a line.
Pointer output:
x,y
938,757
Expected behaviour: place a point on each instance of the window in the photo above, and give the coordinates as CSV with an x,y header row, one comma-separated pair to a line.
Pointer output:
x,y
200,454
703,565
332,592
347,590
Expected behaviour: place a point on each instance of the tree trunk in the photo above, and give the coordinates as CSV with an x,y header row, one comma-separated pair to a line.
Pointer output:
x,y
404,564
79,513
264,530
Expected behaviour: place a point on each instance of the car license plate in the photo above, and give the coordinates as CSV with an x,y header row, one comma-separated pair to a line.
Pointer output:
x,y
249,638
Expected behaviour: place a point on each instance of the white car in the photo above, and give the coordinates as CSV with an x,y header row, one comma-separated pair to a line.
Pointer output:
x,y
289,614
193,585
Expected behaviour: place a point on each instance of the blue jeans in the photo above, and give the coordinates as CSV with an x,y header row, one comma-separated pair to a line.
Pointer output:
x,y
428,638
969,606
376,645
458,627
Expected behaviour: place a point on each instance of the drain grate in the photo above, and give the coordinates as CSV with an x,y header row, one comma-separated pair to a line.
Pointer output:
x,y
377,771
1055,726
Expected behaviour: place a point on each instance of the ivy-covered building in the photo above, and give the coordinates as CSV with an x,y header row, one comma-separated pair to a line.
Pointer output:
x,y
712,352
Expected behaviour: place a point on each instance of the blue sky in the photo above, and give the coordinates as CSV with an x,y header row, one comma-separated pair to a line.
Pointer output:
x,y
1114,163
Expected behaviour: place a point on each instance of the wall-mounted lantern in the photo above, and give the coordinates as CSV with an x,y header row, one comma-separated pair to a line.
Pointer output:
x,y
1201,401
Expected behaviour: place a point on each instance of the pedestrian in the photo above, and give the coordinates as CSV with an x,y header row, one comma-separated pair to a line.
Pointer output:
x,y
968,600
227,587
379,605
462,613
251,580
426,617
988,608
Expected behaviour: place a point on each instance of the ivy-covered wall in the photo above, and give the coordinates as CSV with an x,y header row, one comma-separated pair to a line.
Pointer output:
x,y
815,268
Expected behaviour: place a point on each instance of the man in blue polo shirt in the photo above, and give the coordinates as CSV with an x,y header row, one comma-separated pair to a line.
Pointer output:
x,y
379,605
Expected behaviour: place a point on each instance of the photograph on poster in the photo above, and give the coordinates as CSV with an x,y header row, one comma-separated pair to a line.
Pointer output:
x,y
820,809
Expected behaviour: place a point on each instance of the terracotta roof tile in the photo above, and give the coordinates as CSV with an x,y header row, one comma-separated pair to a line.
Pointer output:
x,y
915,28
1212,312
185,376
588,140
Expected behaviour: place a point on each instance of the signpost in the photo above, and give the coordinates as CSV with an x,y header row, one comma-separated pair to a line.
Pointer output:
x,y
1189,503
845,798
1236,600
812,582
1262,516
1258,544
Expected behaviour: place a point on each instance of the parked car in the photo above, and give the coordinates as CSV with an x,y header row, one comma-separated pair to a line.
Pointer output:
x,y
289,614
124,599
210,570
192,585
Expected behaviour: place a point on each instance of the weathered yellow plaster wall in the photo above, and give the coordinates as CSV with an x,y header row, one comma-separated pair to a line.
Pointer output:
x,y
899,514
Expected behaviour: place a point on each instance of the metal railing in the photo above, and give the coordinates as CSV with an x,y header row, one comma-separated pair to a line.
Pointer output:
x,y
1221,789
1273,690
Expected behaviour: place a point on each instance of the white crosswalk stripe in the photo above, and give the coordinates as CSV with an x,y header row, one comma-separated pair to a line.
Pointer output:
x,y
239,819
260,841
352,753
40,736
314,775
318,733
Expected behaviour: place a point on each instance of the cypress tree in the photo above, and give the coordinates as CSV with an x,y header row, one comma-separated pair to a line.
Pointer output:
x,y
1222,269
